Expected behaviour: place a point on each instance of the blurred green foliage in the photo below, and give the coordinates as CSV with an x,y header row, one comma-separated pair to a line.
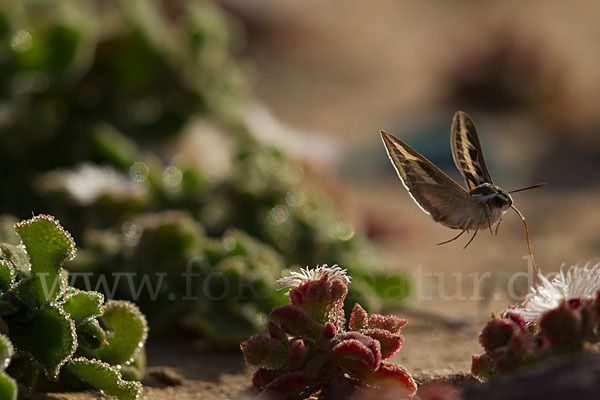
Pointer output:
x,y
114,113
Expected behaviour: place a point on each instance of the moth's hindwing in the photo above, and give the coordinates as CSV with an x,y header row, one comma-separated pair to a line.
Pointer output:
x,y
435,193
466,151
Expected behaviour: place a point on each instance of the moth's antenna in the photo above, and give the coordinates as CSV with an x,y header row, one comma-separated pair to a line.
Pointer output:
x,y
527,236
539,185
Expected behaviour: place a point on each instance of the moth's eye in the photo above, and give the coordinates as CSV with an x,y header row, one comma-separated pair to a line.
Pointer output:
x,y
498,201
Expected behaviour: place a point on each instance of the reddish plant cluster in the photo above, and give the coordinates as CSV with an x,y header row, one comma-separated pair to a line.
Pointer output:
x,y
309,352
511,343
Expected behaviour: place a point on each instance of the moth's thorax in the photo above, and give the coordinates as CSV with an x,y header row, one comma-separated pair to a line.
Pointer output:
x,y
492,196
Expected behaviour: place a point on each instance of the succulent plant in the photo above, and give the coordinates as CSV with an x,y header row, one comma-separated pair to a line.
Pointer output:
x,y
559,316
309,351
54,335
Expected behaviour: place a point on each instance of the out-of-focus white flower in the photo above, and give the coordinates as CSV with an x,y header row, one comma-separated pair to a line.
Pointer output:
x,y
297,279
577,283
89,182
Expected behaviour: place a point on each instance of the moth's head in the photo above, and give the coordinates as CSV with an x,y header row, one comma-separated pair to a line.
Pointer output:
x,y
493,196
502,199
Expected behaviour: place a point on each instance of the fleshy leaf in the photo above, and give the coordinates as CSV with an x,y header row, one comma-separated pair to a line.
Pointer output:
x,y
263,376
297,354
48,246
288,386
91,335
8,387
261,351
390,343
7,275
46,242
497,333
276,332
354,350
481,367
128,332
104,377
358,318
398,375
296,321
81,305
561,325
134,371
37,293
49,337
6,351
388,322
17,256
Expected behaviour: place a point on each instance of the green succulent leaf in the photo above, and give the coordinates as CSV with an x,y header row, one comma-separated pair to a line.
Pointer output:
x,y
135,370
90,335
17,256
46,242
49,337
7,275
104,377
82,305
6,352
8,387
48,246
127,332
36,292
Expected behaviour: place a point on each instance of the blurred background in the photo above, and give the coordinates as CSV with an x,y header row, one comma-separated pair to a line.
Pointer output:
x,y
245,134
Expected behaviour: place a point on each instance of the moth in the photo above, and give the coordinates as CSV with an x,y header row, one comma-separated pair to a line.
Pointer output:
x,y
481,206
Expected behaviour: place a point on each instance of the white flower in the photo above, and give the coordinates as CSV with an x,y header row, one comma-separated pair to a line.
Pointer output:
x,y
88,182
577,283
296,279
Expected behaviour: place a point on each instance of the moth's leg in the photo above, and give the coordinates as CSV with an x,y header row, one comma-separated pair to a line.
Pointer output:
x,y
498,225
489,215
454,238
472,237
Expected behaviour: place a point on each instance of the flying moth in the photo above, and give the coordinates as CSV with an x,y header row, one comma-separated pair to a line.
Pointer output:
x,y
480,206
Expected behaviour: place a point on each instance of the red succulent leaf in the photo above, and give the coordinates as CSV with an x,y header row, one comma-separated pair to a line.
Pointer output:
x,y
364,339
338,289
296,297
574,303
497,333
397,374
262,377
588,321
519,320
297,354
481,367
329,330
261,351
597,305
296,321
276,332
561,325
317,292
314,298
356,350
390,343
289,386
388,322
358,318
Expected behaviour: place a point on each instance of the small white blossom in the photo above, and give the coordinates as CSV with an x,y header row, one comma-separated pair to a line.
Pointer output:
x,y
577,283
86,183
296,279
